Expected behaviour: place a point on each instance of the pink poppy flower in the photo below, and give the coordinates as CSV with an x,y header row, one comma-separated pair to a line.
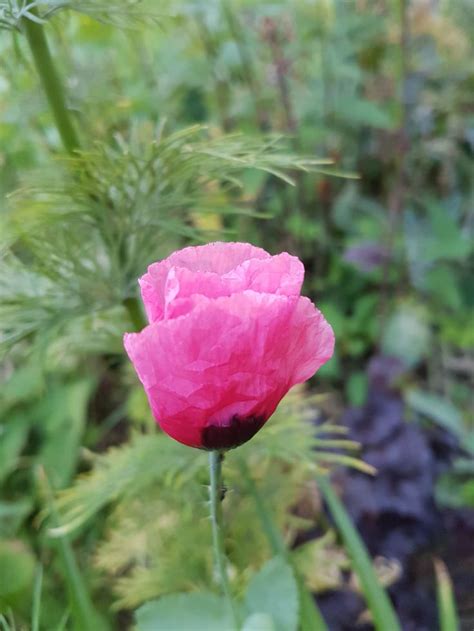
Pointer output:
x,y
229,335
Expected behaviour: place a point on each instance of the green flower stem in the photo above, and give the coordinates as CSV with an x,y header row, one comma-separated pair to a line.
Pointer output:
x,y
51,83
215,489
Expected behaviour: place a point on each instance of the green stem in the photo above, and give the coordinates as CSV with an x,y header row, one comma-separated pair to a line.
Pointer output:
x,y
51,83
215,473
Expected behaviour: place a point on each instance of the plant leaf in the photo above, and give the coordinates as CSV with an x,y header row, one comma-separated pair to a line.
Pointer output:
x,y
448,619
436,408
274,591
259,622
13,435
63,417
198,611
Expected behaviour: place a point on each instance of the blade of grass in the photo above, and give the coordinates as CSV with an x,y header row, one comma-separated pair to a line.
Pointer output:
x,y
83,612
383,614
4,624
310,617
36,608
448,618
8,624
63,622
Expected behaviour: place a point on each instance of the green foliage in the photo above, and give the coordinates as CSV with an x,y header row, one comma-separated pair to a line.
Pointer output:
x,y
324,554
88,231
17,567
14,437
356,388
124,473
121,13
64,417
184,611
437,409
407,335
56,415
455,488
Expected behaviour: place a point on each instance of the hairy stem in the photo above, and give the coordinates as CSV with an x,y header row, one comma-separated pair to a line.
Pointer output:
x,y
215,473
51,83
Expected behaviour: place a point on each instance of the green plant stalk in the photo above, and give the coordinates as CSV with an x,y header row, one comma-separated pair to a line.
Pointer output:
x,y
447,614
36,608
84,614
63,622
5,626
383,614
311,618
215,493
52,86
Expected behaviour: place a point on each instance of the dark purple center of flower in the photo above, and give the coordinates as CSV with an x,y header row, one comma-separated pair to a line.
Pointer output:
x,y
237,432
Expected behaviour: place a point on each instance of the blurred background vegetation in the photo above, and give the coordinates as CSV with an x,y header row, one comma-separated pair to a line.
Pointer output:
x,y
340,131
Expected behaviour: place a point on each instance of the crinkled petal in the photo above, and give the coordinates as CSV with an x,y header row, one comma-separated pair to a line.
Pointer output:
x,y
208,271
218,257
227,362
281,274
311,343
